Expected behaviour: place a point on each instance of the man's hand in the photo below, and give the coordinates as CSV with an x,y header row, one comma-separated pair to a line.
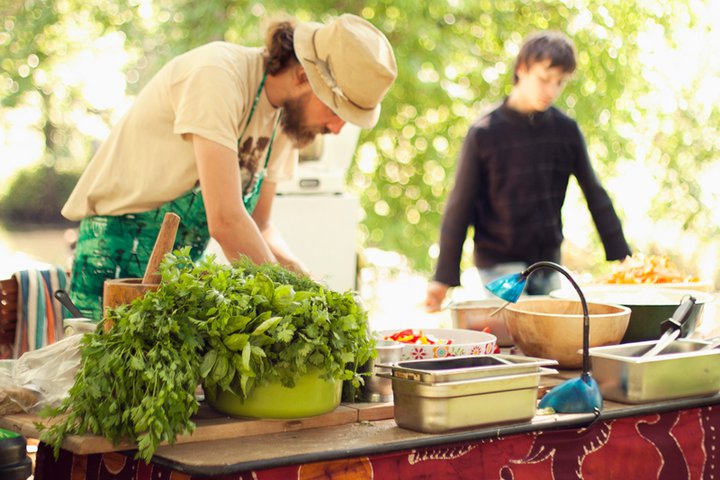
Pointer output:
x,y
298,267
436,292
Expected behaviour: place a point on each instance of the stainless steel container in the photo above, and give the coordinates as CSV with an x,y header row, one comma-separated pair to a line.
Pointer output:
x,y
450,369
486,392
377,388
481,314
72,326
447,406
680,370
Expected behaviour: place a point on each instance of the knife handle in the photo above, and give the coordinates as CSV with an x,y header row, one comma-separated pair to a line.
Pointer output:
x,y
680,315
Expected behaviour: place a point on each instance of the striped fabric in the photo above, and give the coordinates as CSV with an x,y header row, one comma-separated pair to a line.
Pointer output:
x,y
40,317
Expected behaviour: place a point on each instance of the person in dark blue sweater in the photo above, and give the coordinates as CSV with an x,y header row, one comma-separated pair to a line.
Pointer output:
x,y
513,175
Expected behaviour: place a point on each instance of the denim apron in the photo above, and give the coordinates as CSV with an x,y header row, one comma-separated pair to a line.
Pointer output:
x,y
119,246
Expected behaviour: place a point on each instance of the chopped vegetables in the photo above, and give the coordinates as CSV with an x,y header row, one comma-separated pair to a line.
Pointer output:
x,y
417,337
641,268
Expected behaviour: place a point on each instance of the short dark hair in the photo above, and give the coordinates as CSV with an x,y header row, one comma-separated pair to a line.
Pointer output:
x,y
279,50
547,45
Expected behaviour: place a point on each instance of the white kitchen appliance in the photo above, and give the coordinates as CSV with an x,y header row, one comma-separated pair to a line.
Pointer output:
x,y
323,164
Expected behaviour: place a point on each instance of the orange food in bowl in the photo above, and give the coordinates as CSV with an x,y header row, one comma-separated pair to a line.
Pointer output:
x,y
640,268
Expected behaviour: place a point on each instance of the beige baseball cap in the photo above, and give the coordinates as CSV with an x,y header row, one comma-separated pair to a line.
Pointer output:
x,y
350,65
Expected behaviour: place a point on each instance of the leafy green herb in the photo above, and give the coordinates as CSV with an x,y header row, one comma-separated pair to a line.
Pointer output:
x,y
275,325
136,381
228,327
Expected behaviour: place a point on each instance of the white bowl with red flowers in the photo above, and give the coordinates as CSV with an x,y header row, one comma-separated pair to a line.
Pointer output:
x,y
422,343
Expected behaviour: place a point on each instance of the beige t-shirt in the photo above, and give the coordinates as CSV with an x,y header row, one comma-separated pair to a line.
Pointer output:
x,y
148,158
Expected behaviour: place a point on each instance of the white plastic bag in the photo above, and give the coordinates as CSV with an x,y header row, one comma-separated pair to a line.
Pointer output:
x,y
50,371
14,399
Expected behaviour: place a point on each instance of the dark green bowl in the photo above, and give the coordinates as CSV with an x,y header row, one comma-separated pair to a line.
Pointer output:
x,y
649,305
645,321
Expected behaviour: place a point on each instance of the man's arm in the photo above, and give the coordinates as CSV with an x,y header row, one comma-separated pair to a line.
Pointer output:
x,y
459,212
601,208
228,221
457,216
262,217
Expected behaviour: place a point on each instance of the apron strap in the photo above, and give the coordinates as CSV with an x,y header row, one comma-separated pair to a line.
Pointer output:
x,y
250,198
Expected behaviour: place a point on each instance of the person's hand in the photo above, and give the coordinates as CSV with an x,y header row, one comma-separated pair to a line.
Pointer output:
x,y
436,292
296,266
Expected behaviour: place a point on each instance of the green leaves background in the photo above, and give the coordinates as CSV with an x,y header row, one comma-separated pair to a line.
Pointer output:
x,y
455,59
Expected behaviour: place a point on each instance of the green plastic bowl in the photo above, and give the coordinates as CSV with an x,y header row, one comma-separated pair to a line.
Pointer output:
x,y
310,396
650,305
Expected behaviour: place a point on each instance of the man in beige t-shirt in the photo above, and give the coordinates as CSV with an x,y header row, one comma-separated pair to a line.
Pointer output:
x,y
210,136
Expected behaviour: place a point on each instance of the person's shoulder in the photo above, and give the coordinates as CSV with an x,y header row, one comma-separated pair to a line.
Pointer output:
x,y
564,123
561,118
221,53
486,121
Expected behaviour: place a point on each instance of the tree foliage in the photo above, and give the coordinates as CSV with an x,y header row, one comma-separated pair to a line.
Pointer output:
x,y
455,59
35,194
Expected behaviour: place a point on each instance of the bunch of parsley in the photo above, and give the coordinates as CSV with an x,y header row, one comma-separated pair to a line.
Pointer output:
x,y
230,327
275,325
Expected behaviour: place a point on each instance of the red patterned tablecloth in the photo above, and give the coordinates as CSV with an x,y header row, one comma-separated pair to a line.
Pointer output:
x,y
674,445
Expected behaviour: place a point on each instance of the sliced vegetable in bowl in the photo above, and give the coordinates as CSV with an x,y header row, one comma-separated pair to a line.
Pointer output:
x,y
448,342
416,337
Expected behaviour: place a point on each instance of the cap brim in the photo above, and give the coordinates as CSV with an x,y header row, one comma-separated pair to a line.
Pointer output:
x,y
302,41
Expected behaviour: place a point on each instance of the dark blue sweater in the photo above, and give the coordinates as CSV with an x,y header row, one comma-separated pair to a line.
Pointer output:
x,y
510,186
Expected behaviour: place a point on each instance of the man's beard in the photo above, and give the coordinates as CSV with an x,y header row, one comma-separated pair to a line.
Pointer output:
x,y
293,122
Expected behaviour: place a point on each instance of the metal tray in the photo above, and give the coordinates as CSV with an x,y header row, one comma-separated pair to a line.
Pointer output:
x,y
448,406
451,369
679,371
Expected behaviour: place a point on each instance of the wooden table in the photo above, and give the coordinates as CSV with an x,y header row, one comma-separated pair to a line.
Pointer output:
x,y
671,439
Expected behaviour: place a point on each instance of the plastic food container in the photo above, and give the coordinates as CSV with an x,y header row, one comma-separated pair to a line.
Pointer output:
x,y
14,462
679,371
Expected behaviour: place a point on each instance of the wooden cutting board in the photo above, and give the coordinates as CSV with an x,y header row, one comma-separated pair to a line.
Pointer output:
x,y
211,425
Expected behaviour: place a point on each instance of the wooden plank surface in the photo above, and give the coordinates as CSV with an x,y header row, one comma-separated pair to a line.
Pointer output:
x,y
210,426
368,412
